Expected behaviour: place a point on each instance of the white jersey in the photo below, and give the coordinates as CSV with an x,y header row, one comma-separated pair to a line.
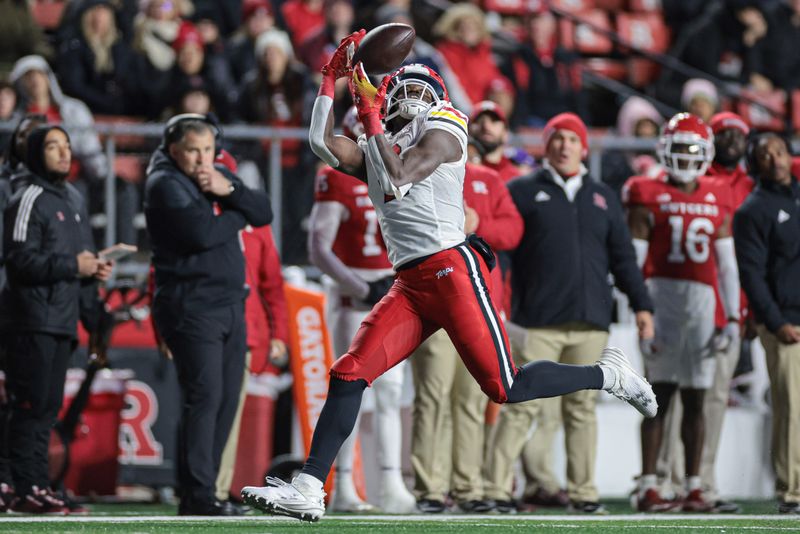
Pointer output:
x,y
430,217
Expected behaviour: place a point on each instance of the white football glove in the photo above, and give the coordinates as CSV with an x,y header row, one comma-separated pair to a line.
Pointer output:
x,y
723,339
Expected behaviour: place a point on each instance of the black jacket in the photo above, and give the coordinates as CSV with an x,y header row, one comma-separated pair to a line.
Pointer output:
x,y
197,255
45,228
560,269
766,231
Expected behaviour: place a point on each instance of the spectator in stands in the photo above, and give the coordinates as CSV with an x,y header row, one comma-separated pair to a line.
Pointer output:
x,y
316,48
20,35
566,319
465,45
41,93
279,93
193,67
700,98
636,118
39,333
155,29
489,126
729,43
766,234
97,66
257,18
225,14
303,18
783,65
8,113
546,76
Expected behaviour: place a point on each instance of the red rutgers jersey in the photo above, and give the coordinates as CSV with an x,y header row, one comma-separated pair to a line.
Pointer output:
x,y
358,243
684,227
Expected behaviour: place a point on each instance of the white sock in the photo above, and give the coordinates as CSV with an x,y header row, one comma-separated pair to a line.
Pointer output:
x,y
609,377
647,482
311,482
693,483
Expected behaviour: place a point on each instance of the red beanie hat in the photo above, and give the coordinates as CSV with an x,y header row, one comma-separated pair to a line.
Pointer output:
x,y
566,121
226,159
727,119
187,33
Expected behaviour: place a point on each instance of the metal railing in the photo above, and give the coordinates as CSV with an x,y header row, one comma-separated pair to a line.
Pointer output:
x,y
274,177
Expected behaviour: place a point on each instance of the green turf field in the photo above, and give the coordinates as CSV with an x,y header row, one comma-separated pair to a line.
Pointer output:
x,y
150,518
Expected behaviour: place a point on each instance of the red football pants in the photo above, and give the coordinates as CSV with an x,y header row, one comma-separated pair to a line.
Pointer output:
x,y
449,290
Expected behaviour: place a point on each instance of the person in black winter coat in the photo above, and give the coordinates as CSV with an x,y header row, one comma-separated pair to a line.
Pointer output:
x,y
194,213
49,263
97,66
766,231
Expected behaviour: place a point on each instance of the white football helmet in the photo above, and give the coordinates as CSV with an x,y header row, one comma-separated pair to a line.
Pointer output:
x,y
411,90
686,147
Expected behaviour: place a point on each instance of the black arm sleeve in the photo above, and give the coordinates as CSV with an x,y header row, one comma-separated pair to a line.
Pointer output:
x,y
187,222
751,238
622,260
254,205
25,260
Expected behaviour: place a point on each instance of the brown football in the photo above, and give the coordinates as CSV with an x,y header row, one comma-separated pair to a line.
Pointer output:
x,y
385,47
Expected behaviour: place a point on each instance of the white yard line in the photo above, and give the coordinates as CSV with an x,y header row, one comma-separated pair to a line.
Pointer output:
x,y
382,519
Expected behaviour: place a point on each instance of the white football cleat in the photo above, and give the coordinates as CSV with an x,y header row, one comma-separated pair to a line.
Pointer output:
x,y
629,385
395,497
349,501
297,499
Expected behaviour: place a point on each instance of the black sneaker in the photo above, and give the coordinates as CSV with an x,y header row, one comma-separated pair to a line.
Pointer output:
x,y
505,507
788,507
587,507
725,507
430,506
475,506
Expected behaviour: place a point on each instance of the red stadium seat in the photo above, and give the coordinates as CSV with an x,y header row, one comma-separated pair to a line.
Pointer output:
x,y
513,7
125,141
129,167
610,5
644,30
47,13
573,6
757,116
609,68
642,72
583,38
645,5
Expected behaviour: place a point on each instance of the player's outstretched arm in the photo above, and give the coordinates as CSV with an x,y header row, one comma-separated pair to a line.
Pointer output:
x,y
418,162
336,150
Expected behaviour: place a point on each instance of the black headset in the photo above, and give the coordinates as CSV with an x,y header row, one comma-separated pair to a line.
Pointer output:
x,y
173,131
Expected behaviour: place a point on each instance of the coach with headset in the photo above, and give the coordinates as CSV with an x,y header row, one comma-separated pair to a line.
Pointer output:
x,y
194,213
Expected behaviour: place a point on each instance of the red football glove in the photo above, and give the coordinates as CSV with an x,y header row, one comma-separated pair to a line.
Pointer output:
x,y
368,100
339,64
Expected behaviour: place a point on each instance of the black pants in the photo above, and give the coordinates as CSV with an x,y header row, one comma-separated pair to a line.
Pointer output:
x,y
37,368
209,354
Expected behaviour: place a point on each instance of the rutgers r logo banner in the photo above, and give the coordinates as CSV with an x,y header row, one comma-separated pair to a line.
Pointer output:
x,y
137,444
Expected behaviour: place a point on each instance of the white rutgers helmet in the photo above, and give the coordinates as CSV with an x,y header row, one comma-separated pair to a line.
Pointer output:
x,y
686,147
408,104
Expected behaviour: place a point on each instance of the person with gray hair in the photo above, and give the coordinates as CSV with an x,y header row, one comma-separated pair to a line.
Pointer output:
x,y
195,211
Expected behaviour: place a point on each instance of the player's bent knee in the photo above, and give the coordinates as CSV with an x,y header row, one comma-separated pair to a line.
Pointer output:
x,y
349,368
495,392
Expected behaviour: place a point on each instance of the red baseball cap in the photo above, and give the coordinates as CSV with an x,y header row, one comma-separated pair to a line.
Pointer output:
x,y
487,106
727,119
